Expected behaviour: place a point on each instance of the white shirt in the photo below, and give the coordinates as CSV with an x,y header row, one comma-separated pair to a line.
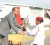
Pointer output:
x,y
40,36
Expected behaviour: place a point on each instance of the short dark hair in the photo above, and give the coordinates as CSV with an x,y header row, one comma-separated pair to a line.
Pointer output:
x,y
41,21
13,9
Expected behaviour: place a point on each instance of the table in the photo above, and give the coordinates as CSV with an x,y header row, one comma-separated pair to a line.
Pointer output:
x,y
47,33
15,38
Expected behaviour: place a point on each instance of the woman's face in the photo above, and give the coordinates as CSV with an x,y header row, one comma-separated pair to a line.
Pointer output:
x,y
37,22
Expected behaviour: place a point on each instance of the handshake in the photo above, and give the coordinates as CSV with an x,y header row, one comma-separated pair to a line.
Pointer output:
x,y
23,32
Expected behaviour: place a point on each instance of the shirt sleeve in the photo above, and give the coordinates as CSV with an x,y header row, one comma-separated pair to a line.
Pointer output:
x,y
32,32
28,31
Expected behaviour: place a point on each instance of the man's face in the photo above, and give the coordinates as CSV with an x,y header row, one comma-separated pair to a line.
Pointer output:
x,y
37,22
16,11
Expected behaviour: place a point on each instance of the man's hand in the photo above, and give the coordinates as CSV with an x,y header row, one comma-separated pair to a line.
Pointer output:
x,y
23,32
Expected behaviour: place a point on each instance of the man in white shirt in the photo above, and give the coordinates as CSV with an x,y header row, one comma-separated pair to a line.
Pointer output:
x,y
38,32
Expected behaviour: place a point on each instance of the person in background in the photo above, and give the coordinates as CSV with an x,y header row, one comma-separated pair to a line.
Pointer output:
x,y
37,32
7,23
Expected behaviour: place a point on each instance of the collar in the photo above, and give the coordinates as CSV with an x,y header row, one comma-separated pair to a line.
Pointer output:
x,y
13,15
